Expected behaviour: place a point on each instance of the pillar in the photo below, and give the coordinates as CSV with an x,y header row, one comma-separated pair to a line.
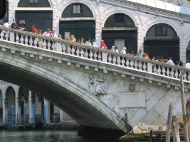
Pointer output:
x,y
47,103
30,107
17,108
5,110
61,116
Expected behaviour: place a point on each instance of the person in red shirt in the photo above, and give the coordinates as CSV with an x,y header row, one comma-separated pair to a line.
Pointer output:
x,y
103,45
34,29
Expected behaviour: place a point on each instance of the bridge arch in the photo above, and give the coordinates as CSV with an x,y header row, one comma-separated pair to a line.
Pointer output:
x,y
86,108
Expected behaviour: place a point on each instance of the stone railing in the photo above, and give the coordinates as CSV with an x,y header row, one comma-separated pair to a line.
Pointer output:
x,y
93,53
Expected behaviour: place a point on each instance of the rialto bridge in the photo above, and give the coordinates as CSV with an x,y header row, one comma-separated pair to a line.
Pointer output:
x,y
98,88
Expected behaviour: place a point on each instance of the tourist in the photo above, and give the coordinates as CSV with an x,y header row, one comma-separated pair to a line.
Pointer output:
x,y
170,61
82,40
187,64
139,54
103,45
123,51
88,42
14,25
94,43
6,33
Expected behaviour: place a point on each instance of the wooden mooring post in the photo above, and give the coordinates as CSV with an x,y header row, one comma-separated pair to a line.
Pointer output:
x,y
169,122
175,129
188,115
183,103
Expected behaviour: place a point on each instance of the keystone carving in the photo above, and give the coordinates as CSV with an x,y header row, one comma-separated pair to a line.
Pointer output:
x,y
95,85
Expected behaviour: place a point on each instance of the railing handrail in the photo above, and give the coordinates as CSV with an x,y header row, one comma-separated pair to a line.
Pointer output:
x,y
98,50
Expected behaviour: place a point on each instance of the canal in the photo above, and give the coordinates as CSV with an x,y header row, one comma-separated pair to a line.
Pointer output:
x,y
41,136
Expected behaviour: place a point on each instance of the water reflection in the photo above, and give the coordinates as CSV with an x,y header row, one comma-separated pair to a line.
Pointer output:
x,y
41,136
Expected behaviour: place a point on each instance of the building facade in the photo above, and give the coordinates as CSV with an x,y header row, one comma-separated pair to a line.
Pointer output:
x,y
156,29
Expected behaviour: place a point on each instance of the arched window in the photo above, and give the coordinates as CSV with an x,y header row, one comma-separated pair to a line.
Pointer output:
x,y
119,20
77,10
34,3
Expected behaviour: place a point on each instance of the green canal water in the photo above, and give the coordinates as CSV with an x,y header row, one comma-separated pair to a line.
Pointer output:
x,y
41,136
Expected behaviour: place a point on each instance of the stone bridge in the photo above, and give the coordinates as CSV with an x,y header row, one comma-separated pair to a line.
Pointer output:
x,y
98,88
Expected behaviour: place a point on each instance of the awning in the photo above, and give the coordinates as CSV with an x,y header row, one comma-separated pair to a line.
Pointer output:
x,y
118,28
161,38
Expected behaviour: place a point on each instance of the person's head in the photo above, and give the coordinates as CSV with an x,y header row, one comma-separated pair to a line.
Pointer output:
x,y
124,48
140,50
48,30
14,21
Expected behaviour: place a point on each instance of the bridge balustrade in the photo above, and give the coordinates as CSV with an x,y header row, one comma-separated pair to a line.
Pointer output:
x,y
93,53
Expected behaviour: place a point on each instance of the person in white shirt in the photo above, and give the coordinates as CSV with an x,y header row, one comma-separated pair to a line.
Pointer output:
x,y
187,65
7,25
123,50
170,61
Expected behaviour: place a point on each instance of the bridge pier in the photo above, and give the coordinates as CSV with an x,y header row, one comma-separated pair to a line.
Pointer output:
x,y
100,135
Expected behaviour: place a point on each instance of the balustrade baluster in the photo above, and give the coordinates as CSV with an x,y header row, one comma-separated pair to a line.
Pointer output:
x,y
140,65
77,51
91,54
126,62
155,68
110,59
164,70
86,53
188,75
95,55
185,76
118,61
172,72
21,39
132,63
99,56
167,71
30,40
64,48
73,50
35,42
176,74
82,52
122,61
144,66
159,69
114,59
1,35
17,38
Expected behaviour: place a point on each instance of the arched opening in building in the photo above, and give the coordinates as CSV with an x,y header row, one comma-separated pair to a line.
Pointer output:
x,y
120,30
188,52
162,40
42,19
6,17
79,28
10,95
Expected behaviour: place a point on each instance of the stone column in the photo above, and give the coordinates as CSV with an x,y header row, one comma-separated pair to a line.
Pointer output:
x,y
30,107
61,116
5,110
47,103
17,108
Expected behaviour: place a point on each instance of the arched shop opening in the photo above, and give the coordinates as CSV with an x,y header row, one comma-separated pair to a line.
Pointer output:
x,y
162,40
42,19
120,30
79,28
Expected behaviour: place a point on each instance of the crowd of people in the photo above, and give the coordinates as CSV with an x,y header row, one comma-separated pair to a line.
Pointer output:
x,y
81,40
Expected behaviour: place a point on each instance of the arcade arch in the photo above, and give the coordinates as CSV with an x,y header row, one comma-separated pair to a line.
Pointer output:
x,y
162,40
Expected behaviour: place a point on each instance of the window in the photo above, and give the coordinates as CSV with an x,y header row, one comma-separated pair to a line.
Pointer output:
x,y
119,18
77,8
161,29
33,1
